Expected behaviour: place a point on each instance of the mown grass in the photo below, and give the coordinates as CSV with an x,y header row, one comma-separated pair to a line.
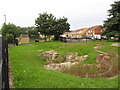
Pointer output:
x,y
28,71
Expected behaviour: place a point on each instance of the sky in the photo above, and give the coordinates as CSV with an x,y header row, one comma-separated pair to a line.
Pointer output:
x,y
80,13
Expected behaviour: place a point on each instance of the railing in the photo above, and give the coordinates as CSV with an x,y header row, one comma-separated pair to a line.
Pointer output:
x,y
0,63
64,39
4,63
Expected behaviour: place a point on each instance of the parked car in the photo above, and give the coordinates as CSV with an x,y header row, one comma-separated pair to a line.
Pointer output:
x,y
104,37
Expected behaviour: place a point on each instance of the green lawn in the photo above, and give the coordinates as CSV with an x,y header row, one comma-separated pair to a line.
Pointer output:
x,y
28,71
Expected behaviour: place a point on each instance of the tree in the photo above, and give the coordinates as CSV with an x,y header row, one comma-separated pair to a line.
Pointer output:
x,y
61,26
45,23
9,30
48,25
112,24
9,37
33,32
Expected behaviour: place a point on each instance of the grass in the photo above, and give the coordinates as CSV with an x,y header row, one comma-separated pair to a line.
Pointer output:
x,y
28,71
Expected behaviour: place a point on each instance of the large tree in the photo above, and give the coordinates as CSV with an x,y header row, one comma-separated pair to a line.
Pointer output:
x,y
61,26
10,30
112,24
33,32
45,23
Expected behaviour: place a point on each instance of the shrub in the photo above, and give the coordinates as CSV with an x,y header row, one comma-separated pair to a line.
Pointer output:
x,y
9,37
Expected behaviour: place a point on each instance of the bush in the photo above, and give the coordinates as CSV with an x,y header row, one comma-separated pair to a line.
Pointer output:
x,y
9,37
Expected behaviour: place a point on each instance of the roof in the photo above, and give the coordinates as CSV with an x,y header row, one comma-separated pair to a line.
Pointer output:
x,y
80,29
95,27
84,30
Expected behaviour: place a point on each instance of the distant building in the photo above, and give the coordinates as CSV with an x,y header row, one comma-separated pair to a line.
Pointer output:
x,y
24,38
95,31
65,34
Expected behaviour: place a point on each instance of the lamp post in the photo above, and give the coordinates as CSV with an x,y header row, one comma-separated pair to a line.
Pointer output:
x,y
5,19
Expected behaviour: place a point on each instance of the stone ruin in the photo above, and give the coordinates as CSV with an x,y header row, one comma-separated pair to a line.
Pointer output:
x,y
70,59
50,56
103,60
116,44
73,59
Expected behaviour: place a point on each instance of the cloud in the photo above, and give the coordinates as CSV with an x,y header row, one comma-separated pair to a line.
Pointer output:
x,y
80,13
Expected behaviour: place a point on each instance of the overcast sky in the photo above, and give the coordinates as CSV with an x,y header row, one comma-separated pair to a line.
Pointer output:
x,y
80,13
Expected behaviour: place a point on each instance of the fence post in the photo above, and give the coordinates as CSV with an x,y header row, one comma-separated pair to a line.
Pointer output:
x,y
5,70
0,63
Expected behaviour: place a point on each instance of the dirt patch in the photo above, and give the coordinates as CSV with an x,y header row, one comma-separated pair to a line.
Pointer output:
x,y
28,44
73,45
116,44
40,50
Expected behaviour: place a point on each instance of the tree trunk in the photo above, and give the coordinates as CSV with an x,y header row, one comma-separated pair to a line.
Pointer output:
x,y
56,37
45,38
119,38
49,38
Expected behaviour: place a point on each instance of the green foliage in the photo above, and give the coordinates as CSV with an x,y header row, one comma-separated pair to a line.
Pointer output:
x,y
61,26
33,33
9,37
28,71
48,25
113,22
16,31
45,23
10,31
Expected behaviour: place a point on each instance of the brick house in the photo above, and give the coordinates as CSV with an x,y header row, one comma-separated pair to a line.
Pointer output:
x,y
75,34
94,31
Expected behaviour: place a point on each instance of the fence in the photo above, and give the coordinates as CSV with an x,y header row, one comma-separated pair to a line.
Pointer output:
x,y
64,39
0,63
4,63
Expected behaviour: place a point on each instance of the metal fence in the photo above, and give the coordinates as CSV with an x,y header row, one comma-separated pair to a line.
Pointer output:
x,y
4,63
67,40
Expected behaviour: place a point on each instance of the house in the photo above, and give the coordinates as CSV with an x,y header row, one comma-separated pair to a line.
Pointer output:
x,y
95,31
65,34
75,34
81,32
24,38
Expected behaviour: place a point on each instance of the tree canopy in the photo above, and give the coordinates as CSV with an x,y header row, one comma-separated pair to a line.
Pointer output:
x,y
61,26
47,24
112,24
11,31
